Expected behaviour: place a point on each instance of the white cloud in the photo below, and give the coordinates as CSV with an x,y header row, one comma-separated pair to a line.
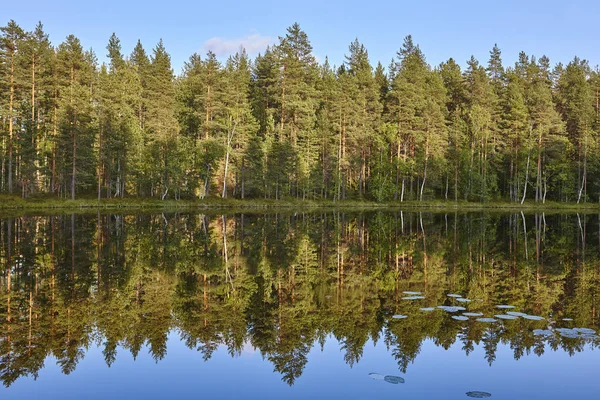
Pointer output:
x,y
253,44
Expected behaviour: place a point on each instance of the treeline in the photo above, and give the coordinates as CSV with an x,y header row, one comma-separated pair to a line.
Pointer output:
x,y
284,126
282,283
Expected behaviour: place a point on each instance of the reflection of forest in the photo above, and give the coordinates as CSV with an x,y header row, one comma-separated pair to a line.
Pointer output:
x,y
283,283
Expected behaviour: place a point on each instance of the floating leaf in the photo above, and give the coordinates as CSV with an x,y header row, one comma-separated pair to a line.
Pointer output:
x,y
516,313
486,320
427,309
565,330
586,331
413,293
413,298
479,395
570,335
452,309
504,307
534,317
393,379
543,332
399,316
462,300
376,376
505,316
460,318
472,314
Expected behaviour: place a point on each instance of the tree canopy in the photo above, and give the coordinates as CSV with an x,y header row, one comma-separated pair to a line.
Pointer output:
x,y
284,125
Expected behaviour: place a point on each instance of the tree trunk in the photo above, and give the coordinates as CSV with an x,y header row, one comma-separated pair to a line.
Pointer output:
x,y
74,169
10,124
526,179
228,150
424,178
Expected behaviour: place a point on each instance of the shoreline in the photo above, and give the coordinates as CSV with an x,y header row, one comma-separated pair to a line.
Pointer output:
x,y
8,204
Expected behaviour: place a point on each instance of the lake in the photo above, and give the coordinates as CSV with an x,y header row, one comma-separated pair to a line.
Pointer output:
x,y
361,305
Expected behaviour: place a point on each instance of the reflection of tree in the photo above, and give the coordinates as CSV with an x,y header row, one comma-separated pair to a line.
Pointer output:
x,y
283,283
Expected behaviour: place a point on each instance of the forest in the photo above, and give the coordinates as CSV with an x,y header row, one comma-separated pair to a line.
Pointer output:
x,y
285,126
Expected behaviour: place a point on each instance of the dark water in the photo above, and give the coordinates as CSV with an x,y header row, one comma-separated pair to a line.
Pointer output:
x,y
299,306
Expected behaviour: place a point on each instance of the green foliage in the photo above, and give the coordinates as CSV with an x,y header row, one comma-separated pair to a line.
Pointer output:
x,y
282,125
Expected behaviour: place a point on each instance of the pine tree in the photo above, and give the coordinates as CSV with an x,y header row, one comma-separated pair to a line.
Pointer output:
x,y
11,41
479,117
407,101
76,126
576,105
239,123
457,130
164,167
37,58
368,109
297,102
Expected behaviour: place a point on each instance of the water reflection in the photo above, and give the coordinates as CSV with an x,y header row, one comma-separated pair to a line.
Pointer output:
x,y
283,283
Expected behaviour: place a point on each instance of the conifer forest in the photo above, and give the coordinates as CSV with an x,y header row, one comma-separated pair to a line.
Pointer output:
x,y
284,125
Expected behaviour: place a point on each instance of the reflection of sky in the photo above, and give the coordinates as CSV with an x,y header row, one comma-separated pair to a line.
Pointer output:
x,y
436,374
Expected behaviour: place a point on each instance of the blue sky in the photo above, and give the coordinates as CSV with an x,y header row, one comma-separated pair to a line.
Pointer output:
x,y
443,29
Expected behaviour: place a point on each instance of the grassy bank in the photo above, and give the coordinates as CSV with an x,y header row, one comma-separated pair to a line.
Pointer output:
x,y
51,204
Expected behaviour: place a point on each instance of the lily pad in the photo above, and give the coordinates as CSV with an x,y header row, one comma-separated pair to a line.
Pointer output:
x,y
570,335
452,309
400,316
462,300
376,376
516,313
472,314
542,332
504,306
413,293
490,320
393,379
505,316
427,309
479,395
565,330
534,317
586,331
456,296
413,298
460,318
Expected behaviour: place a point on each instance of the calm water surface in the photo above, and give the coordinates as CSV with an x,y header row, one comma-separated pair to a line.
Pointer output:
x,y
300,306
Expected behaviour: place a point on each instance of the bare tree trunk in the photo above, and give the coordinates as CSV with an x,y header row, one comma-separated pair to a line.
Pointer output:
x,y
227,152
74,169
526,179
10,124
424,178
